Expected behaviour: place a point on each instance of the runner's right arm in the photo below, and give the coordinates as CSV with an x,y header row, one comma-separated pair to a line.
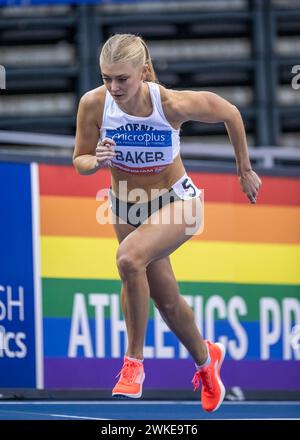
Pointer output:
x,y
85,160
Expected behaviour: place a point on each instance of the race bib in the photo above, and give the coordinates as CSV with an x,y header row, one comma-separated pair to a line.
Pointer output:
x,y
185,188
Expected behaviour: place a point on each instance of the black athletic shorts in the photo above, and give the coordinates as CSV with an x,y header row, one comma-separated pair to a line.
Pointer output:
x,y
135,214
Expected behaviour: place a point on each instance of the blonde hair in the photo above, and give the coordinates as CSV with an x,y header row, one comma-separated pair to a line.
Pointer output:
x,y
122,48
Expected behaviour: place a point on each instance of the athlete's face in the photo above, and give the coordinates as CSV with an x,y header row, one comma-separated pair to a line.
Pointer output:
x,y
122,80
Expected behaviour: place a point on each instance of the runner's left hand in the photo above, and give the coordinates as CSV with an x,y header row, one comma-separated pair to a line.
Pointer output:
x,y
250,183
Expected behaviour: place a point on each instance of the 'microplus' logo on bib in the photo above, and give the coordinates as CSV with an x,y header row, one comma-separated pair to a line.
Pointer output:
x,y
155,138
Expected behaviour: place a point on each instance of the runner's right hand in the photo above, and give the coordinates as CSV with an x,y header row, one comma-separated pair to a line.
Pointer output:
x,y
105,152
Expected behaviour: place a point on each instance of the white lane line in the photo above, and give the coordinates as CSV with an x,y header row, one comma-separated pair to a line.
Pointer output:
x,y
142,402
79,417
32,413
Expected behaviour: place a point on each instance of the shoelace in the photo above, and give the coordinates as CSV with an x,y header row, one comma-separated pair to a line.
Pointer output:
x,y
129,371
196,380
204,376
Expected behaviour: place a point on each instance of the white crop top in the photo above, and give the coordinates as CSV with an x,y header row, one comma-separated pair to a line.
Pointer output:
x,y
143,144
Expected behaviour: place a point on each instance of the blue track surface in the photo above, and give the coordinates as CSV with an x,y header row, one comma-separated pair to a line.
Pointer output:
x,y
145,410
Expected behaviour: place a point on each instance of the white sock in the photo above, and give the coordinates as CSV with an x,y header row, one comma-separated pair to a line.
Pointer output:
x,y
135,360
206,363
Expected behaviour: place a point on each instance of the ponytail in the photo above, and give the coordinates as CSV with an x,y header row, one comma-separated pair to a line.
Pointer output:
x,y
151,75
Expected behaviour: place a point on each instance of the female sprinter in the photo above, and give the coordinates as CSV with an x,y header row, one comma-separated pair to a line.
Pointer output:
x,y
131,124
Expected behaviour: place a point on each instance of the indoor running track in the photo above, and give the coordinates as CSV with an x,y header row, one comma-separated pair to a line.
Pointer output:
x,y
145,410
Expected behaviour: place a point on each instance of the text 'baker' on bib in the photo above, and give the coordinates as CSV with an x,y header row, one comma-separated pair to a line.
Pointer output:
x,y
139,151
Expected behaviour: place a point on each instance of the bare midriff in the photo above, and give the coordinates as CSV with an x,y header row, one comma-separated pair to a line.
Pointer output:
x,y
161,181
